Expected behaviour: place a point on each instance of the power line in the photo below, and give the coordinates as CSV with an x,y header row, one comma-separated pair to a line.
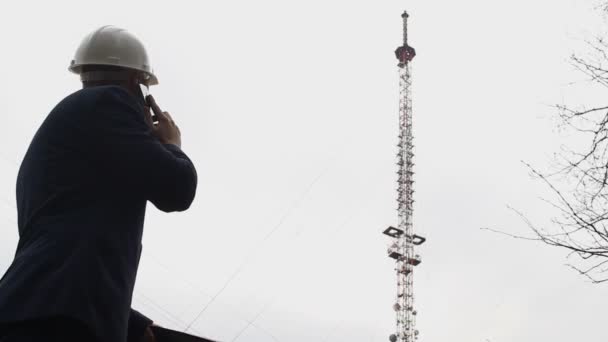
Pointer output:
x,y
184,280
158,308
253,320
249,255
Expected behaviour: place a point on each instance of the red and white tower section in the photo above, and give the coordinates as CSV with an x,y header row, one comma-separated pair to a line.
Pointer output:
x,y
404,240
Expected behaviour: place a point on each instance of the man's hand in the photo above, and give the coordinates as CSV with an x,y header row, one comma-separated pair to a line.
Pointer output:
x,y
165,130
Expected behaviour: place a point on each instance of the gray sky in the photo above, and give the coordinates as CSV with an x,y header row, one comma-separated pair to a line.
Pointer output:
x,y
289,111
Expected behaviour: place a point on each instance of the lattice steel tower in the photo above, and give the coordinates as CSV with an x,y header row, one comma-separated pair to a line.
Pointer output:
x,y
403,238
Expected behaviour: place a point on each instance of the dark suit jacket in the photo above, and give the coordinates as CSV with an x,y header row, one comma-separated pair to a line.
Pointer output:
x,y
82,190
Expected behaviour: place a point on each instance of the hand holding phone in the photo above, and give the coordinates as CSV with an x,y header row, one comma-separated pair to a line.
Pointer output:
x,y
165,128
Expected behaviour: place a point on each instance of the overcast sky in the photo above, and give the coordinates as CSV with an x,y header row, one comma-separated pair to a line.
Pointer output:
x,y
289,111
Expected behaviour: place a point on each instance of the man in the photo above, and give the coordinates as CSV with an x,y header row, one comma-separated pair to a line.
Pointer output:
x,y
82,190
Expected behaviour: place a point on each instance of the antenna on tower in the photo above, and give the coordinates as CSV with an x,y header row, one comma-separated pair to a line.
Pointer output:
x,y
404,240
405,53
405,16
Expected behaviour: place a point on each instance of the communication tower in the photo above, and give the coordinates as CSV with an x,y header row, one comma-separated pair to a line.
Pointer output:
x,y
403,238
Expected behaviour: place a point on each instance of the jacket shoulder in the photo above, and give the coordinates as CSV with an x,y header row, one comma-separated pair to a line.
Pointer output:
x,y
93,98
109,93
113,101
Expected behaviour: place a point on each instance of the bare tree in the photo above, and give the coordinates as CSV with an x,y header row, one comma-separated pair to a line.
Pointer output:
x,y
579,179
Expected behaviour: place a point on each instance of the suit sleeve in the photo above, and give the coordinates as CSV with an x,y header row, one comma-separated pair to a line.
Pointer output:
x,y
137,325
132,158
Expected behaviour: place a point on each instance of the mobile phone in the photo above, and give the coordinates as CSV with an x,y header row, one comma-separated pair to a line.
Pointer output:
x,y
145,92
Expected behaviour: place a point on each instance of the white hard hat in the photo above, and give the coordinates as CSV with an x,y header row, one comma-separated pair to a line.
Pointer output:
x,y
110,45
